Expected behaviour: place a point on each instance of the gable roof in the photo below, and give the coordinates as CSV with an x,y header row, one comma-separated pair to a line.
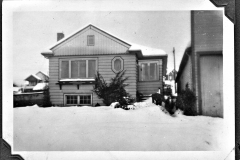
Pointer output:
x,y
78,31
141,50
32,76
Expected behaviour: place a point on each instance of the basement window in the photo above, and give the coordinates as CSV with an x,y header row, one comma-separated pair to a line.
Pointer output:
x,y
90,40
78,99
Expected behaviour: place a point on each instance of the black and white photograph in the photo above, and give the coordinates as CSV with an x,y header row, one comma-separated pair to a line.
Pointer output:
x,y
108,83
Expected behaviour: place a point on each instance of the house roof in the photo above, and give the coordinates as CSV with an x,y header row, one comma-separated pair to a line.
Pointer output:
x,y
145,51
183,62
80,30
32,76
42,73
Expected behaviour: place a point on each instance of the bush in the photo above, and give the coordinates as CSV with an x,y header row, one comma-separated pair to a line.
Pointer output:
x,y
46,99
112,92
186,102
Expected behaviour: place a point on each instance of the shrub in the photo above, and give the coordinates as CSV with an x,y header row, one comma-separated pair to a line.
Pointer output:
x,y
186,101
46,99
112,92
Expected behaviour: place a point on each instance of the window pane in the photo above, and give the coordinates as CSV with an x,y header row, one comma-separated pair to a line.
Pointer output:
x,y
82,68
145,71
153,71
117,64
90,40
65,69
74,69
71,99
91,68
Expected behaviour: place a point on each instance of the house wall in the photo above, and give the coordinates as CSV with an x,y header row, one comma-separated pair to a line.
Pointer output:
x,y
150,87
104,67
186,76
207,35
77,45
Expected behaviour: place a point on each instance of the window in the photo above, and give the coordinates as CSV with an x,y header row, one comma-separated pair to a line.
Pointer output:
x,y
78,99
78,68
90,40
117,64
149,71
71,99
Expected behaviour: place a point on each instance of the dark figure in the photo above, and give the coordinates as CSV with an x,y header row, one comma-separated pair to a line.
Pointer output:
x,y
169,105
157,98
97,105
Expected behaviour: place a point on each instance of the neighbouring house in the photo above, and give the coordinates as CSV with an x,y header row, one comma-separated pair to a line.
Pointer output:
x,y
74,61
35,79
202,63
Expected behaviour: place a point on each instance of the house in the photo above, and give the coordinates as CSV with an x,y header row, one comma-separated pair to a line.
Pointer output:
x,y
75,59
35,79
202,63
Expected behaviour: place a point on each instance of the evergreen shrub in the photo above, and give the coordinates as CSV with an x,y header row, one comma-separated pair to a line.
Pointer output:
x,y
112,92
186,101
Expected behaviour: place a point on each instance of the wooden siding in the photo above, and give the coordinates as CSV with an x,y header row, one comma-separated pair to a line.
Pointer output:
x,y
186,76
208,30
207,36
150,87
104,67
77,45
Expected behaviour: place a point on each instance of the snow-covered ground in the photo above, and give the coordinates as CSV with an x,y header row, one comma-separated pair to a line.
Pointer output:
x,y
146,128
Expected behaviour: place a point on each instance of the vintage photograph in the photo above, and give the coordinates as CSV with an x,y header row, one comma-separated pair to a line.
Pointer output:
x,y
126,81
119,82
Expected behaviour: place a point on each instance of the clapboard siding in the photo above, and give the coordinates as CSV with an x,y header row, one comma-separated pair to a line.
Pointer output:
x,y
105,69
104,44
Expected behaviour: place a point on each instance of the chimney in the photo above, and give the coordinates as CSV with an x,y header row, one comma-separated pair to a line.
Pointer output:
x,y
60,36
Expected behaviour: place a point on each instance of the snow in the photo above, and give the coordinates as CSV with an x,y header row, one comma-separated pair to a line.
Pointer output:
x,y
146,51
147,128
40,86
35,76
77,79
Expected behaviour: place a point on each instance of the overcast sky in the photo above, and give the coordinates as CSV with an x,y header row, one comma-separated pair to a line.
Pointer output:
x,y
34,32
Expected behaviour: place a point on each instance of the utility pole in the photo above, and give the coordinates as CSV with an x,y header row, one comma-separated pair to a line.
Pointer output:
x,y
174,69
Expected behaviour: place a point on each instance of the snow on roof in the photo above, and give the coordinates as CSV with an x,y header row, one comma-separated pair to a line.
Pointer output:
x,y
35,76
40,86
147,51
68,80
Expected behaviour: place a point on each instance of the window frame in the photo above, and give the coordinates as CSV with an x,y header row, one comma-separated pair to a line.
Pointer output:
x,y
78,98
88,38
140,62
122,64
70,66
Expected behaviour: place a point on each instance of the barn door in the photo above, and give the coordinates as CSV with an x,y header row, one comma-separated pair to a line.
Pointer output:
x,y
211,75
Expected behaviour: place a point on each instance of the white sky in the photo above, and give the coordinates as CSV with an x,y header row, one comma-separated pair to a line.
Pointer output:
x,y
35,31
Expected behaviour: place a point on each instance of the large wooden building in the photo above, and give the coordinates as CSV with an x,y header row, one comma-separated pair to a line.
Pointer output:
x,y
74,61
202,63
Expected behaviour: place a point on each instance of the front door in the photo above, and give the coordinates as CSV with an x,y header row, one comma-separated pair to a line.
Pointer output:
x,y
211,75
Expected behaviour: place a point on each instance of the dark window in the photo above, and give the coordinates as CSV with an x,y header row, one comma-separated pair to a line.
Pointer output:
x,y
90,40
65,69
71,99
78,68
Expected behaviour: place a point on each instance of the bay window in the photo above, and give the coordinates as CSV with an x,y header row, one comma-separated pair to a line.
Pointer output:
x,y
78,68
148,70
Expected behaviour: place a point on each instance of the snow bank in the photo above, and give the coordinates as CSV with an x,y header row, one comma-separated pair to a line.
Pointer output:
x,y
107,129
40,86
